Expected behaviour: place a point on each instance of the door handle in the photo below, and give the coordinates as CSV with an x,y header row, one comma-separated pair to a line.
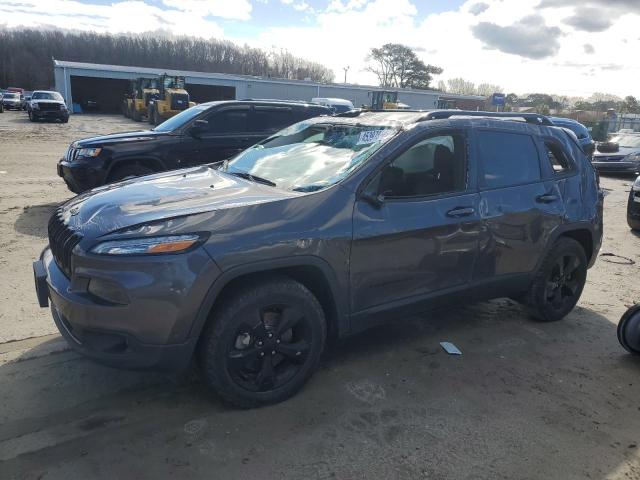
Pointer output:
x,y
546,198
461,212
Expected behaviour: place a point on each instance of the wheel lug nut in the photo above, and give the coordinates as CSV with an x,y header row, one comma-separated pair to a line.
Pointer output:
x,y
259,344
278,341
273,352
262,354
270,335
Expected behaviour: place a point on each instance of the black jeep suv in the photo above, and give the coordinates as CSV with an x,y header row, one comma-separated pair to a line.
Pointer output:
x,y
325,228
206,133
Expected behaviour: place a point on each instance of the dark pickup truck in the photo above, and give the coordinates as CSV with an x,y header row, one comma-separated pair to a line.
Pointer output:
x,y
207,133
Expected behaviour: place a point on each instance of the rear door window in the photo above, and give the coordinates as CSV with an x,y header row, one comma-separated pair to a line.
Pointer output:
x,y
559,160
271,119
507,159
228,121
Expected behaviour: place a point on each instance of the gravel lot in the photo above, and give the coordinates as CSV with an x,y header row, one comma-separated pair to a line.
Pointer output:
x,y
525,401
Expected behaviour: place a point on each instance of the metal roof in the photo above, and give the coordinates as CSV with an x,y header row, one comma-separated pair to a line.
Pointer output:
x,y
231,77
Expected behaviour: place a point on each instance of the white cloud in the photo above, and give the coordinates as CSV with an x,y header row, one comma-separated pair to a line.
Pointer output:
x,y
346,30
236,9
131,16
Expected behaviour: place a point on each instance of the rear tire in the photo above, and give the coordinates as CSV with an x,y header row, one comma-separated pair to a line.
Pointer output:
x,y
559,282
126,172
263,343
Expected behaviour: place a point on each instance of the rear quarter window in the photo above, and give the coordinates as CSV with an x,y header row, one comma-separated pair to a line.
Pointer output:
x,y
507,159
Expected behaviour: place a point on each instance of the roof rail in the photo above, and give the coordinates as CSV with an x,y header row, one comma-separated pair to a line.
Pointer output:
x,y
532,118
277,100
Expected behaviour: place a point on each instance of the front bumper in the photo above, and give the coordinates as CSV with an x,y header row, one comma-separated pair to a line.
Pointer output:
x,y
50,114
79,176
123,336
616,167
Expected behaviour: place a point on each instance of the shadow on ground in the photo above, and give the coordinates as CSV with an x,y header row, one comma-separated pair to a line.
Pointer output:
x,y
34,218
525,400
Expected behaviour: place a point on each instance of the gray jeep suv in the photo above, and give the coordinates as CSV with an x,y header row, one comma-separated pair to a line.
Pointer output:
x,y
322,230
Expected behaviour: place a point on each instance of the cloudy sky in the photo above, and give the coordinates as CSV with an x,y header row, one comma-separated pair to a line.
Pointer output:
x,y
569,47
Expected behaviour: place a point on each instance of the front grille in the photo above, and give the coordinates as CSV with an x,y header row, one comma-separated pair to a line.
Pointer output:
x,y
49,107
71,154
61,241
179,101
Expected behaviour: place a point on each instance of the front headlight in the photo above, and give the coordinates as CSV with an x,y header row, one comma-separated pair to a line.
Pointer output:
x,y
636,185
634,157
35,106
89,152
147,246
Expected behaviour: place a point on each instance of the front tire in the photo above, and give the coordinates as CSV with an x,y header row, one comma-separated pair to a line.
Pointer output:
x,y
263,343
129,171
32,118
559,282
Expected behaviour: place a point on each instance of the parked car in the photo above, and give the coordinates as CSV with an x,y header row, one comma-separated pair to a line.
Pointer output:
x,y
11,101
26,98
206,133
47,105
337,105
324,229
633,206
1,102
584,136
621,154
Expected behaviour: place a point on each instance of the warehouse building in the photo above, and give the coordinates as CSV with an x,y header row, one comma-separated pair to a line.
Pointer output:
x,y
102,87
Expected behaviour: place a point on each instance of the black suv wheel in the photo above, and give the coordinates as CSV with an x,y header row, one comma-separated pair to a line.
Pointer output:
x,y
558,283
264,343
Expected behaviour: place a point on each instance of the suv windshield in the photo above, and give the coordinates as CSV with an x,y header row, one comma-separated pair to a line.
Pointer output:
x,y
310,156
46,96
180,119
631,141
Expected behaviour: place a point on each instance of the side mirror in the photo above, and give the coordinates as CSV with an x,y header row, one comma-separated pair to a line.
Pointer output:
x,y
198,127
375,200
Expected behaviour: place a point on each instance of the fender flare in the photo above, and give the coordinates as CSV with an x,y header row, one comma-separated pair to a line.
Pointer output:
x,y
567,228
266,266
133,159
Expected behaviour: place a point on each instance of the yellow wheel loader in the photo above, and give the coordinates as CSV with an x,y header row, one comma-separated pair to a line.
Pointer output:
x,y
384,100
172,98
143,91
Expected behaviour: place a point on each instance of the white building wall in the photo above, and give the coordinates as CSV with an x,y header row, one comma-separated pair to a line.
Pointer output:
x,y
246,87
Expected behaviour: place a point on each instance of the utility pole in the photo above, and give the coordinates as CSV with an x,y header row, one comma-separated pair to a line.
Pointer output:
x,y
346,69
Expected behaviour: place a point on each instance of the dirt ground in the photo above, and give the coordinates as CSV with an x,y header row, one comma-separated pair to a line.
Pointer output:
x,y
525,400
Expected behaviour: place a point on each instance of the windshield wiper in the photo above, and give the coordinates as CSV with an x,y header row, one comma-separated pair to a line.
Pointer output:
x,y
242,174
248,176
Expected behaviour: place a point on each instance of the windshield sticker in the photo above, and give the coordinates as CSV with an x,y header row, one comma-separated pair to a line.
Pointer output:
x,y
372,136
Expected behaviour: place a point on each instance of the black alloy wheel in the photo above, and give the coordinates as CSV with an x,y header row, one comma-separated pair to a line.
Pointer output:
x,y
559,281
264,344
563,283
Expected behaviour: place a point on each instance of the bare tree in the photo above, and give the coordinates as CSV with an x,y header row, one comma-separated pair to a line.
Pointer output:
x,y
26,55
461,86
